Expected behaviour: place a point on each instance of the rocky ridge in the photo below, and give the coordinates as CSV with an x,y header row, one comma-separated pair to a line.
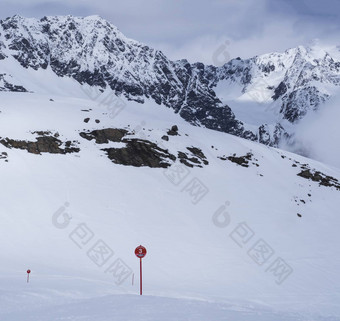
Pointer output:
x,y
92,51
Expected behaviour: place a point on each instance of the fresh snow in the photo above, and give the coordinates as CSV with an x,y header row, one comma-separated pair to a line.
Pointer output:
x,y
194,269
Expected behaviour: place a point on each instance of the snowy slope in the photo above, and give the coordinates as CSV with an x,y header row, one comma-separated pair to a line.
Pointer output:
x,y
191,220
235,234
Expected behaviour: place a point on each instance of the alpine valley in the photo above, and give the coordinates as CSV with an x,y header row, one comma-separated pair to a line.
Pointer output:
x,y
106,144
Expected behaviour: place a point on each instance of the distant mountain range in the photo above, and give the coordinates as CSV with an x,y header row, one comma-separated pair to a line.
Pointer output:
x,y
257,98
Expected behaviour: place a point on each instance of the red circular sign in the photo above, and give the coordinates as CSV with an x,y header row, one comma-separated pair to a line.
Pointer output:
x,y
28,271
140,251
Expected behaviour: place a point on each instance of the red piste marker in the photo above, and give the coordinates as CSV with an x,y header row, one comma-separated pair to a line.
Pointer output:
x,y
140,252
28,275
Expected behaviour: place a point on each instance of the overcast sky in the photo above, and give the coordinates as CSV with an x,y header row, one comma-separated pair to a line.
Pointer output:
x,y
208,31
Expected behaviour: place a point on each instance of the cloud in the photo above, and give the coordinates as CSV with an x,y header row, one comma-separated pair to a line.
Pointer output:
x,y
276,36
197,29
38,9
318,134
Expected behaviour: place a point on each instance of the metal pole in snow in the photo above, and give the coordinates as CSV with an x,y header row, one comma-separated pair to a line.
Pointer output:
x,y
28,275
140,252
141,287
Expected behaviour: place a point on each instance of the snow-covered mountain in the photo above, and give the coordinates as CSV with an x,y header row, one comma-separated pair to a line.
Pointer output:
x,y
267,93
234,229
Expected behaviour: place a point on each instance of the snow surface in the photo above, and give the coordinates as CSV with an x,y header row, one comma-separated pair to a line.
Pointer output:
x,y
195,269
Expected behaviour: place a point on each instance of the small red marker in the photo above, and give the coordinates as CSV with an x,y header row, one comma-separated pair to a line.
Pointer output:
x,y
140,252
28,275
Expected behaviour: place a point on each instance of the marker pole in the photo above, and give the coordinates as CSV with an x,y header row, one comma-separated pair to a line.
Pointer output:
x,y
140,267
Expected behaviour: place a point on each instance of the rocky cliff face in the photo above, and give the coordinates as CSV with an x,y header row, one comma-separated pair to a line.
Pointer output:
x,y
94,52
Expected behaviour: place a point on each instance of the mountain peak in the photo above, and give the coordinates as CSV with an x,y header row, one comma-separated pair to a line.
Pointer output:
x,y
94,17
94,52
